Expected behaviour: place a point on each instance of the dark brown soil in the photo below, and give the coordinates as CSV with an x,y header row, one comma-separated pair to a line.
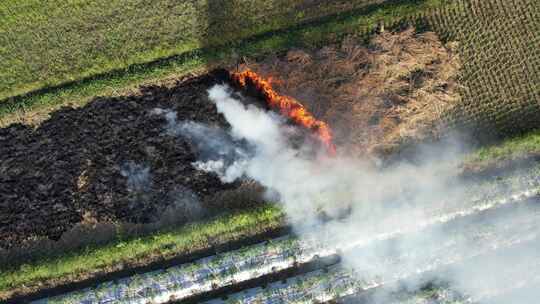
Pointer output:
x,y
74,167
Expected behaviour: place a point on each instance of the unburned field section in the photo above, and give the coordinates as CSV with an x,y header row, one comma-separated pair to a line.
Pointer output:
x,y
45,44
111,160
376,96
32,277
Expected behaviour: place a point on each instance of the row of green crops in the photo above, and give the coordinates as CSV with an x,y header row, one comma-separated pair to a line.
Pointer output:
x,y
91,262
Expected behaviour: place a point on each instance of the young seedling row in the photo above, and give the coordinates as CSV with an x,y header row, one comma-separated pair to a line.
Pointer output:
x,y
337,284
465,248
518,279
224,271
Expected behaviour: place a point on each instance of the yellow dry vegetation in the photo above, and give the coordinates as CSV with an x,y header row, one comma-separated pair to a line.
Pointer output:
x,y
473,66
374,97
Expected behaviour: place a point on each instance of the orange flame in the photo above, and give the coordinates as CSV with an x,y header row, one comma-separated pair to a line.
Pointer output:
x,y
287,106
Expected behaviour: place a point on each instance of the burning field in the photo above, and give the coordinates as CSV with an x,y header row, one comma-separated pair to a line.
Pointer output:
x,y
130,158
349,140
374,98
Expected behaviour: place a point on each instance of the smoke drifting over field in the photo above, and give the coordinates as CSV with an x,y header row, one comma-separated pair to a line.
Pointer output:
x,y
311,185
358,201
218,151
138,177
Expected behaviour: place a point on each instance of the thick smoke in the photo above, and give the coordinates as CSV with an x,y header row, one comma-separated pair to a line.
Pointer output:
x,y
312,186
358,202
218,151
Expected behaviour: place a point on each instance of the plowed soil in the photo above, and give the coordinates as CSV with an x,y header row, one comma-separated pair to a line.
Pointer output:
x,y
108,161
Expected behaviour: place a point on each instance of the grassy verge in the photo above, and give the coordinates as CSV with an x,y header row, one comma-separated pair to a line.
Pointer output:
x,y
26,108
514,148
511,150
92,262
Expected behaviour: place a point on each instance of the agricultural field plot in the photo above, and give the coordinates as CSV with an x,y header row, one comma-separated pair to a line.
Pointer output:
x,y
24,273
126,32
330,285
202,151
220,272
80,160
498,47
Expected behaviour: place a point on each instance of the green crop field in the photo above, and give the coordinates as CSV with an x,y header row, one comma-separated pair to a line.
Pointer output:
x,y
513,149
499,48
49,43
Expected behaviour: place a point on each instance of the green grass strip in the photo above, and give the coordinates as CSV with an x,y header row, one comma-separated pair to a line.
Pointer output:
x,y
510,149
328,30
48,43
168,244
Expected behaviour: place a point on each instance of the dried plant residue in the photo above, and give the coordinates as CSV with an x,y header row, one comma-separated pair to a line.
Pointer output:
x,y
374,97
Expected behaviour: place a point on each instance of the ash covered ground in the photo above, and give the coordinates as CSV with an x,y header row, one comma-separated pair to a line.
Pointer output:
x,y
111,160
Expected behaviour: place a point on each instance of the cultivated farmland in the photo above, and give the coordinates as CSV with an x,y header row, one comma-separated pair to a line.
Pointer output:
x,y
269,151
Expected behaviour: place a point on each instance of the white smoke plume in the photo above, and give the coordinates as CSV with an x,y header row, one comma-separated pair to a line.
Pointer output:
x,y
358,201
218,151
313,185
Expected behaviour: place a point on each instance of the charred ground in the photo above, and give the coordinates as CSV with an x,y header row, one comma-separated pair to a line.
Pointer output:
x,y
107,161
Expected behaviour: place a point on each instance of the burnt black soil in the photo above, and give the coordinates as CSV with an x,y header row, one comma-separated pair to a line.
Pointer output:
x,y
75,166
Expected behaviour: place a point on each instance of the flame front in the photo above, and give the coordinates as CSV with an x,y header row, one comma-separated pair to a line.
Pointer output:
x,y
287,106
